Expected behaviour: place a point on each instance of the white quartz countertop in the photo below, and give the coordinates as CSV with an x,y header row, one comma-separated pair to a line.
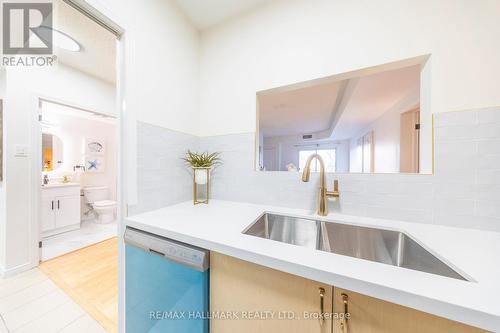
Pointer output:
x,y
54,185
219,225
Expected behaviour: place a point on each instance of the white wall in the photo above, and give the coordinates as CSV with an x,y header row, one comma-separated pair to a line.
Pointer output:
x,y
385,144
73,131
162,53
20,113
2,187
386,141
290,41
162,71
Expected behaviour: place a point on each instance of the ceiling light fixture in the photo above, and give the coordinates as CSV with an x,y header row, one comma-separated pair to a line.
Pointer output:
x,y
63,40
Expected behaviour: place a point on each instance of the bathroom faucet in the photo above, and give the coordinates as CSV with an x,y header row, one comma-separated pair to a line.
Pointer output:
x,y
323,194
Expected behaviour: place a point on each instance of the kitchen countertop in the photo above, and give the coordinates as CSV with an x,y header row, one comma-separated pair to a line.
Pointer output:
x,y
219,225
54,185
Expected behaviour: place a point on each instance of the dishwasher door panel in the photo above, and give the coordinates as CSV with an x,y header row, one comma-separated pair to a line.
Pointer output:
x,y
162,295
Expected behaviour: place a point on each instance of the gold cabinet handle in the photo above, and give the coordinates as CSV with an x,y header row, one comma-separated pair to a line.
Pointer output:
x,y
344,319
321,306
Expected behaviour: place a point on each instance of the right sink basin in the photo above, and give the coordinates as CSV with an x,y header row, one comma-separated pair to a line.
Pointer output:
x,y
379,245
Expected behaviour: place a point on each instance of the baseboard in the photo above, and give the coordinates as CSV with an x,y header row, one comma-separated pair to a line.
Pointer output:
x,y
16,270
62,230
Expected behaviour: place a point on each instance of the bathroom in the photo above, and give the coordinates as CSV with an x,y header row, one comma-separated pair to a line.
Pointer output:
x,y
79,164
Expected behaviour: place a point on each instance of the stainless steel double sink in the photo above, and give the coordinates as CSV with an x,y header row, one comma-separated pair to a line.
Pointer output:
x,y
379,245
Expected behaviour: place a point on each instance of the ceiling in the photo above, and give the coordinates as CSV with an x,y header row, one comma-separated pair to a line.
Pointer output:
x,y
206,13
52,113
300,111
322,106
375,95
98,53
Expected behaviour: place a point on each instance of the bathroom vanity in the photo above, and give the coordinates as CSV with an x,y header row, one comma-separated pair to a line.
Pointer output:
x,y
60,208
254,273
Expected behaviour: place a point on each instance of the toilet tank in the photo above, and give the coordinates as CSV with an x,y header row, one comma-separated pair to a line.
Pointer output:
x,y
95,193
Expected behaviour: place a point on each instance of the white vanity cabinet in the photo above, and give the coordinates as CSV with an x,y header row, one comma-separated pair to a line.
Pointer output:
x,y
60,209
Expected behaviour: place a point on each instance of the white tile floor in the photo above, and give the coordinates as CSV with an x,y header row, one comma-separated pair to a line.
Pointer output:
x,y
31,303
89,233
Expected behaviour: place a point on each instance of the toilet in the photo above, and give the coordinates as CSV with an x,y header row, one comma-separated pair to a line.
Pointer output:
x,y
98,198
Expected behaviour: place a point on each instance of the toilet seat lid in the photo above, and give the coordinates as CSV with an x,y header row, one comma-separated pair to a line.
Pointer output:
x,y
104,203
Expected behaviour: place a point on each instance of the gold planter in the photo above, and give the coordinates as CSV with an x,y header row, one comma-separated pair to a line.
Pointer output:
x,y
201,178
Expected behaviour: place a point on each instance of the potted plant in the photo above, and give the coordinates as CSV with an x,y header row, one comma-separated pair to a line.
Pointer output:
x,y
201,164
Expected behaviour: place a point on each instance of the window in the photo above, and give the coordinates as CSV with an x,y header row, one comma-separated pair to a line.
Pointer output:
x,y
328,156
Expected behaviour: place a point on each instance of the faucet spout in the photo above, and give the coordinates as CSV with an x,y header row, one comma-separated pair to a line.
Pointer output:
x,y
306,174
323,194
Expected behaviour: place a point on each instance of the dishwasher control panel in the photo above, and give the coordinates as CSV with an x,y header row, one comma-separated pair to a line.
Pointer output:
x,y
184,254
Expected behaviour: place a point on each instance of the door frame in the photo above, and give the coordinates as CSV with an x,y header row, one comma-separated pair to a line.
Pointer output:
x,y
125,122
37,149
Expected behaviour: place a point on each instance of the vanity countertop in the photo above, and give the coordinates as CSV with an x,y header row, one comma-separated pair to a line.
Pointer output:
x,y
54,185
219,225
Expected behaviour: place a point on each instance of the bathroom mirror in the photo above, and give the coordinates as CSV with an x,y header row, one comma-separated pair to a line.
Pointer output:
x,y
52,152
368,121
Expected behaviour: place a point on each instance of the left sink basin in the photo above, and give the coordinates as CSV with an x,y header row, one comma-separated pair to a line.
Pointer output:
x,y
374,244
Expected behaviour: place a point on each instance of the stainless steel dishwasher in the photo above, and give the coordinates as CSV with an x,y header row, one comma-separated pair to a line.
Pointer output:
x,y
166,285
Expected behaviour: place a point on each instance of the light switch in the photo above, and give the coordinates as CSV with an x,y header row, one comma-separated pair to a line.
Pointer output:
x,y
21,151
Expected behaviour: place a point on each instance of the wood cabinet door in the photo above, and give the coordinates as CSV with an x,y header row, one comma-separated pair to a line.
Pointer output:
x,y
67,211
371,315
48,214
240,290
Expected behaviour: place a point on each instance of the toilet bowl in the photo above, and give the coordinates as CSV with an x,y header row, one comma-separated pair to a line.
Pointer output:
x,y
105,210
98,198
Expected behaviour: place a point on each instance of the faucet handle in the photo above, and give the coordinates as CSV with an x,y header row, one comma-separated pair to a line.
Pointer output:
x,y
335,193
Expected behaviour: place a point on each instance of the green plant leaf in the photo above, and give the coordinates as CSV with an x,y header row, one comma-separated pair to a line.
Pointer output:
x,y
203,160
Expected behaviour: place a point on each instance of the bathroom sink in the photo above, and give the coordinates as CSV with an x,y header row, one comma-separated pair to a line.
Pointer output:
x,y
379,245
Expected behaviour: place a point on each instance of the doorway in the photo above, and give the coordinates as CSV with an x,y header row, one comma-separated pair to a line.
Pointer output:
x,y
410,141
79,178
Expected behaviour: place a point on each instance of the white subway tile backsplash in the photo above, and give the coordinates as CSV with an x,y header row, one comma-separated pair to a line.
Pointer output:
x,y
489,147
487,192
463,192
442,206
488,162
485,177
490,208
443,176
456,118
162,177
396,213
454,190
462,132
458,148
487,131
466,155
490,115
451,162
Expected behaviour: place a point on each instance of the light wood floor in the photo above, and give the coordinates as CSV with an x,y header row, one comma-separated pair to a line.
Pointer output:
x,y
90,277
